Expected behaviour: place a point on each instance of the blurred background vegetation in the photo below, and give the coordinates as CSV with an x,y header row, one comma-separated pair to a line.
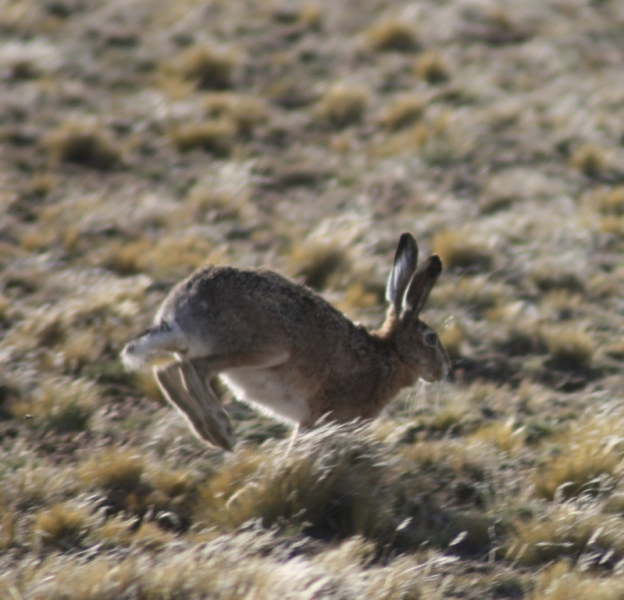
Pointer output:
x,y
141,140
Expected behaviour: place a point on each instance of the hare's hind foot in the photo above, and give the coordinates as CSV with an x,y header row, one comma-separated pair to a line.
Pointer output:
x,y
184,388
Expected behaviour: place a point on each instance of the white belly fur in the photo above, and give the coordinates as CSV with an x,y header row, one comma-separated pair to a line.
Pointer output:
x,y
265,389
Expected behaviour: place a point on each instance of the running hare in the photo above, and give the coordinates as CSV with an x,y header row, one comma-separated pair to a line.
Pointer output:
x,y
285,350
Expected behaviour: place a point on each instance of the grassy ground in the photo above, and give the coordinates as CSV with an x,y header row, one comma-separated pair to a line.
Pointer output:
x,y
140,140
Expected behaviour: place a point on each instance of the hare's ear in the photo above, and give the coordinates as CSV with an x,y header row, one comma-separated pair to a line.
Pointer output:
x,y
404,266
420,285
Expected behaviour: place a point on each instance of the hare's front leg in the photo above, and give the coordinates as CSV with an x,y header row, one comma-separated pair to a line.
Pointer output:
x,y
185,389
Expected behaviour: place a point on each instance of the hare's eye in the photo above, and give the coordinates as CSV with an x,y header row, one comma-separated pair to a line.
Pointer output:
x,y
431,339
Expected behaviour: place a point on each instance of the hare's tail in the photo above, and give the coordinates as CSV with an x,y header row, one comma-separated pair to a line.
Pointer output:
x,y
161,338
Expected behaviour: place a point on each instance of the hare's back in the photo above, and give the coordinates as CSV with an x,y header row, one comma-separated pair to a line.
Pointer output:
x,y
225,300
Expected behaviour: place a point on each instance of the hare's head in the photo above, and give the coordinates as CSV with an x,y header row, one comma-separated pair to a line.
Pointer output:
x,y
417,344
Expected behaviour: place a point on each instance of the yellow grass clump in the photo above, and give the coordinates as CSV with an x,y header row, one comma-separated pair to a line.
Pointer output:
x,y
567,530
392,34
246,112
403,111
505,435
453,338
332,483
168,256
85,143
458,249
590,160
432,67
311,16
39,239
206,65
360,295
319,264
562,581
216,136
63,525
82,347
477,294
587,457
42,184
609,201
113,468
341,106
550,276
59,404
570,349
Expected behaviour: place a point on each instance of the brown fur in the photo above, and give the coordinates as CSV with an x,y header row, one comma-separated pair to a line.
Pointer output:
x,y
286,350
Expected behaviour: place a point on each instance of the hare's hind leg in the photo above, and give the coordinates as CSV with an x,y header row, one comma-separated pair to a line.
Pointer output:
x,y
184,388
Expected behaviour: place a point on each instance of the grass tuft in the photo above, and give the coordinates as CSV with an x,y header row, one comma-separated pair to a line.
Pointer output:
x,y
216,136
113,468
341,106
168,256
42,184
311,16
592,459
610,202
333,483
84,143
403,111
570,350
552,276
392,34
432,67
63,525
318,264
82,347
561,582
59,405
589,160
245,112
567,530
454,338
505,435
478,294
458,250
206,66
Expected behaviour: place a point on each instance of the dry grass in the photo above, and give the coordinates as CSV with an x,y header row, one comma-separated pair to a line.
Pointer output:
x,y
207,66
83,142
63,405
143,140
342,105
609,201
246,112
592,460
561,581
569,349
392,34
432,67
458,249
568,530
590,160
402,112
328,486
319,265
215,136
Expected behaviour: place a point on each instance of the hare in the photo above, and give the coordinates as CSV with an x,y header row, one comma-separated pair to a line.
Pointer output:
x,y
283,349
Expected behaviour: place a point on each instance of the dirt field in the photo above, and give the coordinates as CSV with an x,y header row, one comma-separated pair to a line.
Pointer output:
x,y
140,140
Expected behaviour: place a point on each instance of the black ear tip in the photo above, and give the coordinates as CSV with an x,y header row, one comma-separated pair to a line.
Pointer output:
x,y
407,241
436,264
